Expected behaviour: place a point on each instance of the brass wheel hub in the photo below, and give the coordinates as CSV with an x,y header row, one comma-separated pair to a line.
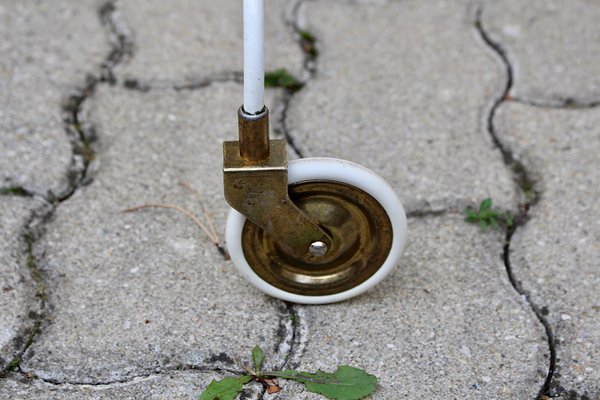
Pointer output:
x,y
357,223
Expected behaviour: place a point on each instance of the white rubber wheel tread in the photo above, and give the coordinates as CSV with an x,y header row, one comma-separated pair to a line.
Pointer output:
x,y
331,169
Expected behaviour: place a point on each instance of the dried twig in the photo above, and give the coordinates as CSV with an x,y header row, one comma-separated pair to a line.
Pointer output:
x,y
188,214
183,211
208,217
197,193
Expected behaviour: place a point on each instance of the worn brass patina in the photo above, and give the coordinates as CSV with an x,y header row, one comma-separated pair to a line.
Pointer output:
x,y
254,136
361,233
256,185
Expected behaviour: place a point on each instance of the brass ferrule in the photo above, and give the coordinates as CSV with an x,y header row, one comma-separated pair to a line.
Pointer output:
x,y
254,135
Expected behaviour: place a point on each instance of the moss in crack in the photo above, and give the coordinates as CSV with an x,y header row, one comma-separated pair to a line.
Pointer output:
x,y
526,185
14,364
305,39
81,139
524,181
40,293
308,43
84,149
25,341
282,78
294,319
521,176
40,287
15,191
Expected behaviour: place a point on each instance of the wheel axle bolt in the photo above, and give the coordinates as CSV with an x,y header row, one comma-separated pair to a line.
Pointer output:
x,y
317,248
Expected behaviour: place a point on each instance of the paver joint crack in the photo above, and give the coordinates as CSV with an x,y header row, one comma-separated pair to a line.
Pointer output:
x,y
82,137
29,234
291,341
528,188
310,66
196,368
83,155
77,175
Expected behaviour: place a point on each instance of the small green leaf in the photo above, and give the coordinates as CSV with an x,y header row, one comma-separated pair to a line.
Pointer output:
x,y
471,215
491,214
258,357
14,364
486,204
494,223
282,78
483,225
346,383
508,220
305,35
19,191
225,389
307,42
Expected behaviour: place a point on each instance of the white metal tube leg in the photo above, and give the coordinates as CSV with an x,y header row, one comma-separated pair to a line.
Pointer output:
x,y
254,54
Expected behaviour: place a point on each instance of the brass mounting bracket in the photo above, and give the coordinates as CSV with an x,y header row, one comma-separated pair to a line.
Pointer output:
x,y
256,185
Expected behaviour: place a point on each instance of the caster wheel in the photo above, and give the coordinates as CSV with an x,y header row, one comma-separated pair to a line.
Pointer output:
x,y
359,211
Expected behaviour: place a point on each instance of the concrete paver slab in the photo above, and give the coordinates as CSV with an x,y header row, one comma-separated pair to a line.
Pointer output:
x,y
446,324
47,51
176,385
183,42
138,292
404,88
142,305
17,290
555,255
552,46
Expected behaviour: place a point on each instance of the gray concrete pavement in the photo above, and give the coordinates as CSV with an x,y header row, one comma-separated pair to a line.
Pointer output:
x,y
561,148
442,329
203,38
106,105
47,52
152,274
177,385
553,50
18,301
397,105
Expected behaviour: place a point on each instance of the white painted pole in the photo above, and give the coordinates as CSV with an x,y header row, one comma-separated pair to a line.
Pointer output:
x,y
254,55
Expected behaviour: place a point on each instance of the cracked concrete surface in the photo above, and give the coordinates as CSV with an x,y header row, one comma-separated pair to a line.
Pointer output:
x,y
18,303
47,49
561,147
552,48
143,305
110,272
176,385
397,107
441,329
206,40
